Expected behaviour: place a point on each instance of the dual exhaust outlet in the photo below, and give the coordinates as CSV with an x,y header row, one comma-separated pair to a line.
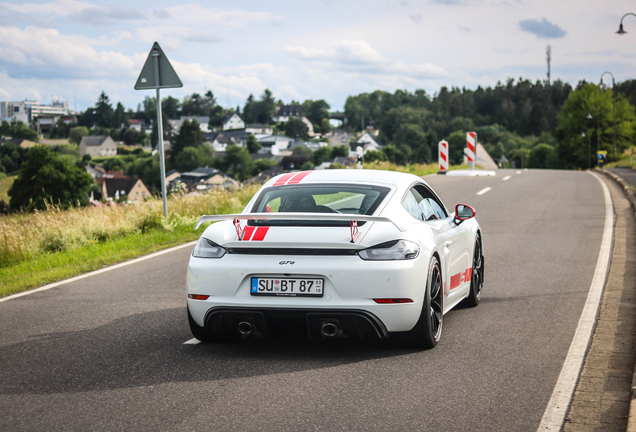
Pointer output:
x,y
327,328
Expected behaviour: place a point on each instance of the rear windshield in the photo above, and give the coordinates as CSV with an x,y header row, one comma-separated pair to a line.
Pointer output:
x,y
347,199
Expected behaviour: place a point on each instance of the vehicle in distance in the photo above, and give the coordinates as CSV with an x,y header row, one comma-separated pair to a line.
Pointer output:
x,y
336,253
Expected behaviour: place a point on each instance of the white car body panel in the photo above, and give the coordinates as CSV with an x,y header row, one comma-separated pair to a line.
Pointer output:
x,y
350,283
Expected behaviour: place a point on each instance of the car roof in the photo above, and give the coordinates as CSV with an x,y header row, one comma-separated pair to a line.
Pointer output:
x,y
399,179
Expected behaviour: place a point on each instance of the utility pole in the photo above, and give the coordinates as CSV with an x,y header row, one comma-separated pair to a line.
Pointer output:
x,y
548,58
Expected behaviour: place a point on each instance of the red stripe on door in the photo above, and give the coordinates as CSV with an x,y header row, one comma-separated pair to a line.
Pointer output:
x,y
260,233
298,177
283,179
460,278
247,232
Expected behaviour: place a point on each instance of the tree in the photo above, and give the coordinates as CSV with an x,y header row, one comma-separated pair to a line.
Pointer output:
x,y
296,128
316,111
253,146
322,154
170,106
261,165
190,135
77,133
301,150
542,156
44,177
188,159
325,126
573,149
237,161
17,129
342,151
104,114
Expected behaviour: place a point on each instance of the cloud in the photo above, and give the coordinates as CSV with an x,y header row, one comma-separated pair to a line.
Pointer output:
x,y
84,12
416,18
447,2
543,29
360,57
46,53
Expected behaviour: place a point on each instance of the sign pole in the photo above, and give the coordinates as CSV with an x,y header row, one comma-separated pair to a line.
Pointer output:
x,y
151,78
162,161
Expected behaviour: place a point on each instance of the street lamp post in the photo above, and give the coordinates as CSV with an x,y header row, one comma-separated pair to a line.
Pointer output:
x,y
613,107
620,28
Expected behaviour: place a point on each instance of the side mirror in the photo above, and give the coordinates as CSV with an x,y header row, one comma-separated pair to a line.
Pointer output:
x,y
463,212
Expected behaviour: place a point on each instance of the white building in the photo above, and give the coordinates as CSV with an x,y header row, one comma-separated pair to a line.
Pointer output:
x,y
32,112
233,121
368,142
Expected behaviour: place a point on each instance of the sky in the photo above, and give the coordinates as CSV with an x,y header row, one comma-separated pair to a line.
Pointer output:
x,y
72,50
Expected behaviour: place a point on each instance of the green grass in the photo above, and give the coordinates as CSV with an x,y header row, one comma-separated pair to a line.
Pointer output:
x,y
51,267
627,160
5,184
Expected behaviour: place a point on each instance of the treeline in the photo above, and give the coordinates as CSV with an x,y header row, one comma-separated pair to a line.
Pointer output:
x,y
511,120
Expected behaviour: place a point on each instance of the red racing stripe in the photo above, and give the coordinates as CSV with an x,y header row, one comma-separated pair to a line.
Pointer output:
x,y
298,177
455,281
283,179
260,233
460,278
247,232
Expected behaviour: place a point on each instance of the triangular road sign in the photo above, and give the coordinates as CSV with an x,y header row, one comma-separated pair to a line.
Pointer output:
x,y
148,77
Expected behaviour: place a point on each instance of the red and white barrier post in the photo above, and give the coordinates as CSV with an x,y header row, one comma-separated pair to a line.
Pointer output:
x,y
471,149
443,156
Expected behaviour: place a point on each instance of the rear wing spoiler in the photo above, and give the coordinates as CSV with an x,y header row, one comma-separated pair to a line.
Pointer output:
x,y
353,219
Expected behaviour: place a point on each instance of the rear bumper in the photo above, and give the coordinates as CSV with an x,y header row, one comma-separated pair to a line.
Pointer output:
x,y
267,321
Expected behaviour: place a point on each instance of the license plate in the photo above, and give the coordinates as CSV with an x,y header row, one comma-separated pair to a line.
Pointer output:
x,y
286,287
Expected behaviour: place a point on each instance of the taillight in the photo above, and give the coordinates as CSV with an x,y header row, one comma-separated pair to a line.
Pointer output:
x,y
395,300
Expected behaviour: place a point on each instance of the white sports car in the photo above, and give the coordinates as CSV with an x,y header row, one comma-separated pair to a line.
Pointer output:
x,y
336,253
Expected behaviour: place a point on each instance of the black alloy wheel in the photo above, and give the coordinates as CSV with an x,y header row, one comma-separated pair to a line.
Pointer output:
x,y
477,276
428,330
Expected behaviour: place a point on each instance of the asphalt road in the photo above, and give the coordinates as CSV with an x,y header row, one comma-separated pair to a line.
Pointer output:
x,y
108,353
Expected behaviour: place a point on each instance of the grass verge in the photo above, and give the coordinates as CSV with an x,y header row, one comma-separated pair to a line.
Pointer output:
x,y
55,266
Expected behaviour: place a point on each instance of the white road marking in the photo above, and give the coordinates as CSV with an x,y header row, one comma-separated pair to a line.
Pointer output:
x,y
554,414
518,172
506,178
192,341
483,191
96,272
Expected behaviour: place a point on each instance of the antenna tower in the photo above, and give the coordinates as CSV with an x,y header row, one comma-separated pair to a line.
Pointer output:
x,y
548,58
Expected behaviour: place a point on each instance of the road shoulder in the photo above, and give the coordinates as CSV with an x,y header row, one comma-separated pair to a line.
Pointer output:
x,y
602,397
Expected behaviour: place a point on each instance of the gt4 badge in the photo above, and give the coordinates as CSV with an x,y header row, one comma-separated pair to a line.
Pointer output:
x,y
286,262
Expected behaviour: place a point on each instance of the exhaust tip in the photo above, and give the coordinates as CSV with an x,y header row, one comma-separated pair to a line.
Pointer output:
x,y
329,329
245,327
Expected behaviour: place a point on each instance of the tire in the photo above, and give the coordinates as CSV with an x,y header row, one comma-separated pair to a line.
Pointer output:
x,y
477,276
428,330
199,333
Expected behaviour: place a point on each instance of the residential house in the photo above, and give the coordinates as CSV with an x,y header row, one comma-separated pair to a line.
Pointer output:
x,y
259,129
368,141
95,171
233,122
21,142
294,162
276,144
347,161
221,140
134,124
285,112
117,187
98,145
204,178
203,122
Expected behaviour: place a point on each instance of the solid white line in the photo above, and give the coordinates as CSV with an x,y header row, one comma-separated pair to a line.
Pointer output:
x,y
554,414
96,272
518,172
192,341
506,178
483,191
